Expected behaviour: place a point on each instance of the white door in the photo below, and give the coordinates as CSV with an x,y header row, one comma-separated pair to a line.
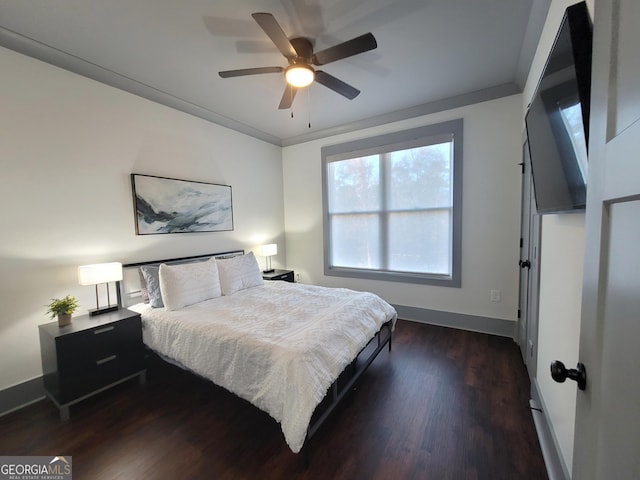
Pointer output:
x,y
524,262
529,270
607,433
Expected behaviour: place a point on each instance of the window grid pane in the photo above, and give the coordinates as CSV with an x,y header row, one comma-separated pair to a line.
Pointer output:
x,y
355,241
354,185
420,242
421,177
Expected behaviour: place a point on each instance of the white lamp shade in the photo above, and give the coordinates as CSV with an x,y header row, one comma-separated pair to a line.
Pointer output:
x,y
299,75
99,273
268,250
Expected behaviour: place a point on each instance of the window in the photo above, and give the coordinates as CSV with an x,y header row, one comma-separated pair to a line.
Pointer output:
x,y
392,206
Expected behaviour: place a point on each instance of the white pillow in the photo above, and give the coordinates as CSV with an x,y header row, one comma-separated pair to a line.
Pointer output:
x,y
189,283
238,273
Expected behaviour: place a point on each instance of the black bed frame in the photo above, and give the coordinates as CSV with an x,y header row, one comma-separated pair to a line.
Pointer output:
x,y
345,382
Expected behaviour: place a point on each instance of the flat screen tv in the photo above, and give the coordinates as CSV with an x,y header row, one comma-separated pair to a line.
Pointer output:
x,y
557,120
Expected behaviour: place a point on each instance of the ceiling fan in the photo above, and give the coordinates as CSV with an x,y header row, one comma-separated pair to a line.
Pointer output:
x,y
300,55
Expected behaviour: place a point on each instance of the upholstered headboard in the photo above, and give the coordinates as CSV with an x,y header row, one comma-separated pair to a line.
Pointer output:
x,y
129,288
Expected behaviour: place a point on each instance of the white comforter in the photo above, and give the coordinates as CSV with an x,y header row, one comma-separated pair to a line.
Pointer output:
x,y
279,346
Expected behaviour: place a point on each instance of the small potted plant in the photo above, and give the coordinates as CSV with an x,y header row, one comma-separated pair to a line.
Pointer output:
x,y
63,308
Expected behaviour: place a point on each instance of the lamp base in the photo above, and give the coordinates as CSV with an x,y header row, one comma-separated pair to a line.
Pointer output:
x,y
269,271
99,311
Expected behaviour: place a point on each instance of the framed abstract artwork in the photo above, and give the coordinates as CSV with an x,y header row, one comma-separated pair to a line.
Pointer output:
x,y
168,205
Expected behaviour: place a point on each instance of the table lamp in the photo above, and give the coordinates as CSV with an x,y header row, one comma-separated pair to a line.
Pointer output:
x,y
268,251
100,273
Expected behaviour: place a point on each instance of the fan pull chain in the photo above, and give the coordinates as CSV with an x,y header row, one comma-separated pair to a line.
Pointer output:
x,y
309,105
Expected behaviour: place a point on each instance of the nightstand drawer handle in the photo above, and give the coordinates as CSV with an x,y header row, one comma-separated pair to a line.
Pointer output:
x,y
106,359
103,330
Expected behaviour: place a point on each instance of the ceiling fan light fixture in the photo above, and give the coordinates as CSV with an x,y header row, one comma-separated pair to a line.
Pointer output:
x,y
299,75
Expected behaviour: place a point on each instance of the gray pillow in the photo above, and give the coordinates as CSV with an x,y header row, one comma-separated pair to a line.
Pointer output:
x,y
150,275
143,287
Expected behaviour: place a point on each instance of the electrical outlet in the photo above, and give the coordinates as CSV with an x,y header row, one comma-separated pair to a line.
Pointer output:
x,y
495,296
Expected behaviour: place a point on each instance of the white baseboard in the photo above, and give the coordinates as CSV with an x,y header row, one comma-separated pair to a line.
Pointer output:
x,y
21,395
556,467
474,323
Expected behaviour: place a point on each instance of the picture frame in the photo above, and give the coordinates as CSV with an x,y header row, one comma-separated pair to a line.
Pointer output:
x,y
168,205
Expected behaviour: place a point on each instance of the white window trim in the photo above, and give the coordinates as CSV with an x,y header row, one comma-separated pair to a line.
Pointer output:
x,y
390,142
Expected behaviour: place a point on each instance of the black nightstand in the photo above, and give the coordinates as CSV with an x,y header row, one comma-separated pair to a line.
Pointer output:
x,y
286,275
90,355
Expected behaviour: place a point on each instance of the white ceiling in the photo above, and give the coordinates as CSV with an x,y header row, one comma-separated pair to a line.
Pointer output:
x,y
431,53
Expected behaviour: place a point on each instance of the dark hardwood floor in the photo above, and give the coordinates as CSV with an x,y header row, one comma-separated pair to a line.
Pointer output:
x,y
444,404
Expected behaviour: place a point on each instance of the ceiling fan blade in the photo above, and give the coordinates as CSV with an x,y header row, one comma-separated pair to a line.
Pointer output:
x,y
274,31
250,71
287,97
357,45
336,85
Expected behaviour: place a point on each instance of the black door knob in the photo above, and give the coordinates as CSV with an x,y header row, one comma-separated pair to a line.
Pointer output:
x,y
524,264
560,373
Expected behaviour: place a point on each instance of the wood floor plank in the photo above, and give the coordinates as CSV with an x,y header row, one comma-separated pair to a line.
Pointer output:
x,y
444,404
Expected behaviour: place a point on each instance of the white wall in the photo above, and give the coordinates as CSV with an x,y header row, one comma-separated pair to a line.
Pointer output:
x,y
67,147
491,213
562,256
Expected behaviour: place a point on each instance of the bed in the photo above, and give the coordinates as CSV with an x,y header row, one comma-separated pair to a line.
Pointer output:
x,y
281,346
